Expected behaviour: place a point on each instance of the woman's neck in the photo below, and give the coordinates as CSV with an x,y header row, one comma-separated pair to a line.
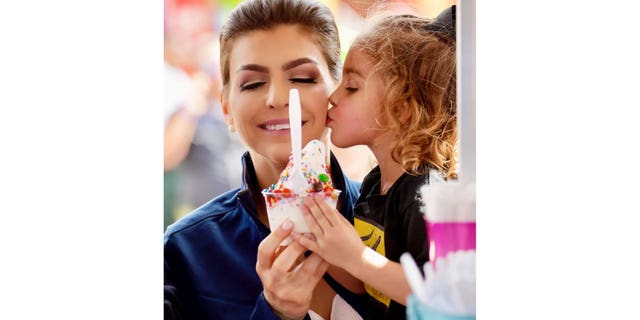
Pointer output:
x,y
267,171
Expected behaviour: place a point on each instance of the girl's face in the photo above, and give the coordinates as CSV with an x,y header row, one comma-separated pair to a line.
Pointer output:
x,y
356,115
264,65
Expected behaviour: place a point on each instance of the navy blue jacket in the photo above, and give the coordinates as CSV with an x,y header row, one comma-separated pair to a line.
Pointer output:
x,y
210,254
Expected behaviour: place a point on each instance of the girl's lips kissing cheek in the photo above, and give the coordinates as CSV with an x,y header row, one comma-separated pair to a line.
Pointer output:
x,y
328,121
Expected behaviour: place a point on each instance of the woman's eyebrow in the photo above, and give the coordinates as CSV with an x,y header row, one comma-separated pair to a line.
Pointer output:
x,y
294,63
289,65
253,67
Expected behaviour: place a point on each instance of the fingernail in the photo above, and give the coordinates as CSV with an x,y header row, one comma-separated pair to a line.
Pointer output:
x,y
286,225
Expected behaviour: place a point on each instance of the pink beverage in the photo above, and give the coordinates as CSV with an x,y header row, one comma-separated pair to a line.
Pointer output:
x,y
445,237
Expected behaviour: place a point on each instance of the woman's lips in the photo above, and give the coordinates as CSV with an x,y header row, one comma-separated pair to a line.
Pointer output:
x,y
277,125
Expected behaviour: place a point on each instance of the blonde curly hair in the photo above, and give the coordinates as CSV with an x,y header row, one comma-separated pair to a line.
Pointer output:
x,y
418,67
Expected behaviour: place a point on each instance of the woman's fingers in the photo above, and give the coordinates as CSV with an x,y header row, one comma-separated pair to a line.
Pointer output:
x,y
307,240
288,277
288,258
314,266
269,245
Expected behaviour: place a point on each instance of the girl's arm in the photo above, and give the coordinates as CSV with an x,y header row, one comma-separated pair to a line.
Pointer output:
x,y
381,273
337,241
345,279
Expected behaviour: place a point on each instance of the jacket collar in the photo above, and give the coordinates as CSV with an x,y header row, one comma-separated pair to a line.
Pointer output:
x,y
248,189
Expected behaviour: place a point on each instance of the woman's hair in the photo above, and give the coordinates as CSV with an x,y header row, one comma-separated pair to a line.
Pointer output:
x,y
312,16
418,67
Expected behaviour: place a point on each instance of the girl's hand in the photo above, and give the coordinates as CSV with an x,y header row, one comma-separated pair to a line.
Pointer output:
x,y
332,236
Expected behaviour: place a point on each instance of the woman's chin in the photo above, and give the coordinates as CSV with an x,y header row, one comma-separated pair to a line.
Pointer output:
x,y
277,155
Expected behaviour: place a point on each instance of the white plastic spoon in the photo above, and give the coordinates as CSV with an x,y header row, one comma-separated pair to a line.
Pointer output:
x,y
298,182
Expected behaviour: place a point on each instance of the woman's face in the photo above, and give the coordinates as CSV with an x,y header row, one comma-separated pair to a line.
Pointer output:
x,y
264,65
357,103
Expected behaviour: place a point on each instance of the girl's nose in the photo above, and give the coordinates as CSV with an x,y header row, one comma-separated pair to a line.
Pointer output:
x,y
333,98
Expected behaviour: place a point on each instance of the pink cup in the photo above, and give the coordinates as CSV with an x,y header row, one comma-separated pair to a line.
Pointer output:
x,y
445,237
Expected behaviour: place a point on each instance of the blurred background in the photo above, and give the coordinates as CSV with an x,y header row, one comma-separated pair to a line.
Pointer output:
x,y
201,158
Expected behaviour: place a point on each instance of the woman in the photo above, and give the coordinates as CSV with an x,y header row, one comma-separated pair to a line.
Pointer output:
x,y
220,260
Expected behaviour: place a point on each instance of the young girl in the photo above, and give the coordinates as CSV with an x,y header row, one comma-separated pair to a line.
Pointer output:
x,y
398,97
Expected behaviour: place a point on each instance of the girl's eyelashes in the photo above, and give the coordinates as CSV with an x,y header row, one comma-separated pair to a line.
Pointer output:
x,y
351,86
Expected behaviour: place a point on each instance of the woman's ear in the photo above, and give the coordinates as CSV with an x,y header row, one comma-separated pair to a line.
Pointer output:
x,y
228,118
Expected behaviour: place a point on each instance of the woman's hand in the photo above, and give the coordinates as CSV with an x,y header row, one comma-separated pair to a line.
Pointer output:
x,y
287,277
332,236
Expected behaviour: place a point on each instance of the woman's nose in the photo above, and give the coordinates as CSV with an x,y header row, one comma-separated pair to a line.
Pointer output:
x,y
278,96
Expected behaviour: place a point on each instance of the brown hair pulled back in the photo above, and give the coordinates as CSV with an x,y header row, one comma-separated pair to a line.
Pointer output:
x,y
312,16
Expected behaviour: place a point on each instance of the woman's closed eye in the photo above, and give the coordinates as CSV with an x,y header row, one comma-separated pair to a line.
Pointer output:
x,y
251,85
303,80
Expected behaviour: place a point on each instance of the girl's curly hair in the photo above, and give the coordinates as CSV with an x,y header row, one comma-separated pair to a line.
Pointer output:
x,y
418,67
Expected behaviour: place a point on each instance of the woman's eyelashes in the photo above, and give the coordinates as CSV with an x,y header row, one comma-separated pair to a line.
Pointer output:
x,y
257,84
303,80
251,85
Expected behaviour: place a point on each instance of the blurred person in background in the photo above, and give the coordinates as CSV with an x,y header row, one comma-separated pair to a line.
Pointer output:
x,y
223,260
199,153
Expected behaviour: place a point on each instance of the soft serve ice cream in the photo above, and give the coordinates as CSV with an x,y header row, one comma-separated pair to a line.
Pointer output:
x,y
283,203
314,169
